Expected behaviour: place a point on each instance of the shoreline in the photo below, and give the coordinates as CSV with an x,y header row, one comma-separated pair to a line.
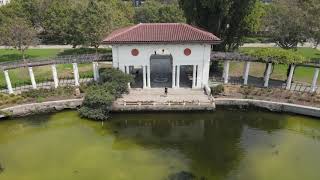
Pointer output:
x,y
56,106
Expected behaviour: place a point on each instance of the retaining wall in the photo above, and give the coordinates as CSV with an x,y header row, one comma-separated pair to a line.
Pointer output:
x,y
52,106
271,106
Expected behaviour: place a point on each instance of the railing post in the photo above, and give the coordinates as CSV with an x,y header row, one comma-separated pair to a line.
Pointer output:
x,y
246,72
267,76
144,76
8,81
315,79
149,76
33,80
76,74
95,71
55,75
289,80
226,71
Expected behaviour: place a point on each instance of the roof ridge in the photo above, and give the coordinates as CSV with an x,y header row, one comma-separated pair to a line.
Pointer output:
x,y
125,31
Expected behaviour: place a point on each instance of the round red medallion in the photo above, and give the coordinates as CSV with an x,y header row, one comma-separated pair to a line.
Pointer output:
x,y
187,52
135,52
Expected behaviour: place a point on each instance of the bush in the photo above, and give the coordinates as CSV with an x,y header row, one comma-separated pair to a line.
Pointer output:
x,y
217,90
100,96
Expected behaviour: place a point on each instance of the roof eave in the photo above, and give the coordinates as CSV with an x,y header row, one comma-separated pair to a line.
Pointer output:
x,y
212,42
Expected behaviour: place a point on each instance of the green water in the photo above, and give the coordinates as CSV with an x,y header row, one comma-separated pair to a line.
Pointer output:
x,y
221,145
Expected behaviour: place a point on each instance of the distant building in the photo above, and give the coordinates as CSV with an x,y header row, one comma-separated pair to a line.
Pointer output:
x,y
137,3
4,2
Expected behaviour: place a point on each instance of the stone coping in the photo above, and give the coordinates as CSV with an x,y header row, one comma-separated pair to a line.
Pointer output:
x,y
53,106
270,105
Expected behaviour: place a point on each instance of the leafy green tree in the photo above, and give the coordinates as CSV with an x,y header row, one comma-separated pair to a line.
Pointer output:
x,y
18,33
231,20
158,12
311,8
286,23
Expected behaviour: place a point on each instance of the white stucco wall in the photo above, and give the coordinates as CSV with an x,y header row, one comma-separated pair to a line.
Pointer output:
x,y
200,55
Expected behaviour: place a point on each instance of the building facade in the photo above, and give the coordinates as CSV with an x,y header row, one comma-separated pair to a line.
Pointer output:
x,y
4,2
163,55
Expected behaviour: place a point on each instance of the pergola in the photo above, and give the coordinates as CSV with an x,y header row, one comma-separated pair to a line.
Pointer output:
x,y
235,56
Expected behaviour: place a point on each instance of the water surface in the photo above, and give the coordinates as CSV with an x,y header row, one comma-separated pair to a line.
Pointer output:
x,y
152,146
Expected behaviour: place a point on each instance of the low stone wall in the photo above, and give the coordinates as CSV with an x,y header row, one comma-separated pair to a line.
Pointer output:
x,y
272,106
52,106
35,108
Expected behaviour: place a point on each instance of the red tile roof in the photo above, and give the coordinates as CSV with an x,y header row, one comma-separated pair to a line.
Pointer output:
x,y
160,33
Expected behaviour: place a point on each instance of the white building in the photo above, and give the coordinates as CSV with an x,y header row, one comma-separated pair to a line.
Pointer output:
x,y
4,2
163,54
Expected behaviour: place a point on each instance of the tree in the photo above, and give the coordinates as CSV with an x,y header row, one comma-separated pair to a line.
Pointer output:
x,y
286,22
156,12
18,33
311,9
98,21
227,19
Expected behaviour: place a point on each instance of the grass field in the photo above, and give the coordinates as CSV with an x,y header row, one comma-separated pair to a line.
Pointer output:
x,y
21,76
302,74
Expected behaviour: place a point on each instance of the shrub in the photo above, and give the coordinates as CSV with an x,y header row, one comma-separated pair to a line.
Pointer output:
x,y
100,96
217,89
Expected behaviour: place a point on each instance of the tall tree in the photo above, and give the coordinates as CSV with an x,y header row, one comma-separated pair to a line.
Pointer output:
x,y
286,22
18,33
225,18
159,12
98,22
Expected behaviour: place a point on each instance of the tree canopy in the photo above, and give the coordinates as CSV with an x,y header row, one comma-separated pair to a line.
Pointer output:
x,y
159,12
231,20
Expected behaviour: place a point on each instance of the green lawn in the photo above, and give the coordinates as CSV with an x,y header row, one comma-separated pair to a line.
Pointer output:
x,y
302,74
21,76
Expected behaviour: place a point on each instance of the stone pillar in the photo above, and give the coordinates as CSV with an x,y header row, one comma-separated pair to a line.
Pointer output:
x,y
8,81
95,71
226,71
289,80
194,77
267,76
76,74
246,73
199,76
33,80
315,79
55,75
178,76
149,76
144,76
173,76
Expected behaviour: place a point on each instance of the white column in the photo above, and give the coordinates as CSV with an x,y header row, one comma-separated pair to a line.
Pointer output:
x,y
149,76
178,76
173,76
226,71
199,76
95,71
8,81
267,76
315,79
33,80
76,74
55,75
246,72
289,80
194,78
144,76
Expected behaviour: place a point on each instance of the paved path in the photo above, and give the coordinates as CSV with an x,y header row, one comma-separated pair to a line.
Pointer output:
x,y
157,95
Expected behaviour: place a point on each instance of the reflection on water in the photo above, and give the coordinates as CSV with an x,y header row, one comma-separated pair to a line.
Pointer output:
x,y
220,145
